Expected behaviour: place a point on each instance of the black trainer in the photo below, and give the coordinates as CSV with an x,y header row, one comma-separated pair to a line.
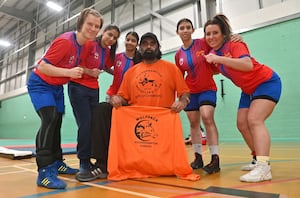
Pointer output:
x,y
198,162
91,174
213,166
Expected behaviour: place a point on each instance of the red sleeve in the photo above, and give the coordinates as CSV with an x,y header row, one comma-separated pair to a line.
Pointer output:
x,y
239,49
56,52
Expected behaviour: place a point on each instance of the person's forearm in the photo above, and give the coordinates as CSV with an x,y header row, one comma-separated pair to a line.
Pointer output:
x,y
185,97
240,64
51,70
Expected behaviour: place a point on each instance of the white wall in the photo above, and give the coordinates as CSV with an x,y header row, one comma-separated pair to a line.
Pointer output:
x,y
244,15
245,21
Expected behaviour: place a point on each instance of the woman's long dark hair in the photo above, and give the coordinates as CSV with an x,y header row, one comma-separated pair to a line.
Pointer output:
x,y
222,21
113,48
184,20
136,57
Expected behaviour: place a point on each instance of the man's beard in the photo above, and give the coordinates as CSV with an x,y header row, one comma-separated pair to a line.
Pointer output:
x,y
149,55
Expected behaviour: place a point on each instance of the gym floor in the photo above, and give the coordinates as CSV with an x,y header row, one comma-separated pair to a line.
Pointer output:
x,y
18,178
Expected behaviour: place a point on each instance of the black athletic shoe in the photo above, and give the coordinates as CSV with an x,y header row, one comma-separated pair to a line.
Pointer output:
x,y
90,174
213,166
198,162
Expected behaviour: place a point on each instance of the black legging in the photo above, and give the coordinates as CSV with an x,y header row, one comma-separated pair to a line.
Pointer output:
x,y
48,138
100,135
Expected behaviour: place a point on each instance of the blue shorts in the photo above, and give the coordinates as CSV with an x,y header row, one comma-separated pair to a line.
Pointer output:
x,y
269,90
44,95
203,98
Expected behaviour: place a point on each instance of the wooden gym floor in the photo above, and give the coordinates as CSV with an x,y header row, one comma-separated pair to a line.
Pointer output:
x,y
18,178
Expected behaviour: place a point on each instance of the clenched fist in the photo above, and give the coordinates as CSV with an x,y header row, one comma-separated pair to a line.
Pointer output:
x,y
76,72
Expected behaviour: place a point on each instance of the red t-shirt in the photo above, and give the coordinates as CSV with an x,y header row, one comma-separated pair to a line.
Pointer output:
x,y
199,76
63,52
93,56
247,81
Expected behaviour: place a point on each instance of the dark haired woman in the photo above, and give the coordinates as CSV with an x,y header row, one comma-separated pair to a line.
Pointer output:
x,y
83,92
261,90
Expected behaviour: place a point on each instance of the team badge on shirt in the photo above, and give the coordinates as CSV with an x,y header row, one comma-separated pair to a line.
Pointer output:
x,y
119,63
200,53
72,60
181,61
96,55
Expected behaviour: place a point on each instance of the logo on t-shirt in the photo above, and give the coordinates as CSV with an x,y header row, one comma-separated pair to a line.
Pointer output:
x,y
145,130
149,81
71,60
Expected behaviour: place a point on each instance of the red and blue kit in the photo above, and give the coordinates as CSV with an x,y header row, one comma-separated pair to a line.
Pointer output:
x,y
63,52
247,81
199,76
93,56
121,64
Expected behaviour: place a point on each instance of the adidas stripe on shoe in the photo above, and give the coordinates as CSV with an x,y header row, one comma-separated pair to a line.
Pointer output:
x,y
91,174
47,177
63,168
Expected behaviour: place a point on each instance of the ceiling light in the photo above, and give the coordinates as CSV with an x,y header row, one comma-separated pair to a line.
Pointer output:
x,y
4,43
54,6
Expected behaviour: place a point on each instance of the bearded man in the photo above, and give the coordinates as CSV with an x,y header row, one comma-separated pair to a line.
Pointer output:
x,y
152,82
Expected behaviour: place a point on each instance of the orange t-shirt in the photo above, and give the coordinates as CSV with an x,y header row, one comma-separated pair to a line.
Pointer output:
x,y
147,142
153,84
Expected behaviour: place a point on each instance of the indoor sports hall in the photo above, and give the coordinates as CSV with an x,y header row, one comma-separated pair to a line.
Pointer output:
x,y
269,27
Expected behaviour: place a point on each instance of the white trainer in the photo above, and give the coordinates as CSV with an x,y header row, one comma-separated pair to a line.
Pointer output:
x,y
250,166
261,172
